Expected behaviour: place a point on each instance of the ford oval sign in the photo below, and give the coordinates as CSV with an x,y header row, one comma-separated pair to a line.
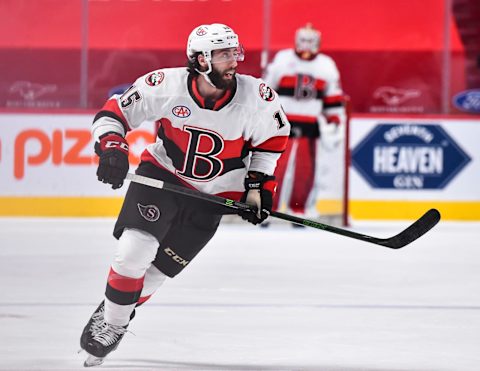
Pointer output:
x,y
468,101
408,156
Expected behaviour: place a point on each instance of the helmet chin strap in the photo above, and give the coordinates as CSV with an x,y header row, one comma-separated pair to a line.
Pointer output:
x,y
207,79
205,73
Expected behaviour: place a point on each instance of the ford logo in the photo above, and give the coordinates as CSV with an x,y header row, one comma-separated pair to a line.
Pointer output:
x,y
181,111
468,101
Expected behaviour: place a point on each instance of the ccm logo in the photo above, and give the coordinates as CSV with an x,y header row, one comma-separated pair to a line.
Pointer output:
x,y
114,144
69,147
175,257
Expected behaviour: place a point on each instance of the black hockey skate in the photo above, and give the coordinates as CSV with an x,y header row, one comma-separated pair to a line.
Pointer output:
x,y
99,338
104,341
93,326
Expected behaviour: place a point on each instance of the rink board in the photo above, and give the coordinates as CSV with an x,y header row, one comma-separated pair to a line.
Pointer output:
x,y
47,168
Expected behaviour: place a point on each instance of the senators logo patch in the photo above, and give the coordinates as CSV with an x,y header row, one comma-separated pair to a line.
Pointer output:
x,y
266,93
201,31
181,111
150,213
155,78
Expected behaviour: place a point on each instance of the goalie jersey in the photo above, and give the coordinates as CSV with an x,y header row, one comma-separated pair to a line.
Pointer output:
x,y
310,91
205,145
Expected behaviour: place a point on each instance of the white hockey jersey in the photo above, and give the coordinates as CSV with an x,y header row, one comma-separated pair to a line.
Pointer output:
x,y
206,148
309,90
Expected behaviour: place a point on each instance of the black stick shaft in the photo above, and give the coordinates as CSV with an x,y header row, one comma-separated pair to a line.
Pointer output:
x,y
410,234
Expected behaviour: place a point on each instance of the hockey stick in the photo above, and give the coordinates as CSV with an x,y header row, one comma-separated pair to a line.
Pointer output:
x,y
410,234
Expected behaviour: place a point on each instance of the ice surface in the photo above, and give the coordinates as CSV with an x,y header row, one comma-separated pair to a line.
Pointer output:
x,y
253,299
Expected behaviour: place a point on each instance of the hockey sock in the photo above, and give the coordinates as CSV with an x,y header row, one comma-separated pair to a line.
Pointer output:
x,y
122,294
153,280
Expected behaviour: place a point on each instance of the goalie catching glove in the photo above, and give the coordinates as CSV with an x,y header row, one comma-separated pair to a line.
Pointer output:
x,y
113,163
259,191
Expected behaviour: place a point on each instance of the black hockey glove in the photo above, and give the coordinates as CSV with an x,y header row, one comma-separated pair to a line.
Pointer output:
x,y
259,191
113,164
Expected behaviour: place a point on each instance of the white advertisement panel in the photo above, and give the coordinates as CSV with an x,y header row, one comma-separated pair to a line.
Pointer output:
x,y
53,155
412,160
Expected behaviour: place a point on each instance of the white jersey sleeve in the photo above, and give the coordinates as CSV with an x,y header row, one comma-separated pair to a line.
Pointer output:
x,y
269,130
122,113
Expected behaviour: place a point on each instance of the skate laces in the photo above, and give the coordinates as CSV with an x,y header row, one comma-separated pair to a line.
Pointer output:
x,y
98,321
109,334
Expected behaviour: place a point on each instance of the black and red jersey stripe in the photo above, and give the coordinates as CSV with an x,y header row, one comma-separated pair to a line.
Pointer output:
x,y
333,101
112,110
289,83
176,143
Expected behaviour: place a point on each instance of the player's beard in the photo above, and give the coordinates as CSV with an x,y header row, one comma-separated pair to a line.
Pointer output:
x,y
217,78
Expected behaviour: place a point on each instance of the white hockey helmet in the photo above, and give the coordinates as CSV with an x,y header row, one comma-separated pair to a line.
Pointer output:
x,y
208,37
307,40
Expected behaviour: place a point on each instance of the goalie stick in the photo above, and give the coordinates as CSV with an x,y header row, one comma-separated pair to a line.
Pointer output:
x,y
421,226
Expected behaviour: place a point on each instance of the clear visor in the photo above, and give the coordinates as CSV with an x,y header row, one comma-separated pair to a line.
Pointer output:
x,y
228,55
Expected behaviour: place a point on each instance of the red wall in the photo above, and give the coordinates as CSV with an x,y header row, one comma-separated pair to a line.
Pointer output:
x,y
397,43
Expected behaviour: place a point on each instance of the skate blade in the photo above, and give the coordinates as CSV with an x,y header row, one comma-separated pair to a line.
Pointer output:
x,y
92,361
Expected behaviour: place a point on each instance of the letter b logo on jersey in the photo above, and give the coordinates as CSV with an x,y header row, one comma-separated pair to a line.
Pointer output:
x,y
305,87
201,163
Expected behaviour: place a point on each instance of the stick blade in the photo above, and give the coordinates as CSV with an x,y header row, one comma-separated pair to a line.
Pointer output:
x,y
416,230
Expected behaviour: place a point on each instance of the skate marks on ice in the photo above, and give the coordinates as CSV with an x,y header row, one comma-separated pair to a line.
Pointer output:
x,y
197,336
294,300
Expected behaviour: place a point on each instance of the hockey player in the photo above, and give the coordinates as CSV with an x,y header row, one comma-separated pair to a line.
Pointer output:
x,y
220,133
308,83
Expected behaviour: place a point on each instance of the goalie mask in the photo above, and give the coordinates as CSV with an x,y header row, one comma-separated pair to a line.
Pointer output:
x,y
207,38
307,42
